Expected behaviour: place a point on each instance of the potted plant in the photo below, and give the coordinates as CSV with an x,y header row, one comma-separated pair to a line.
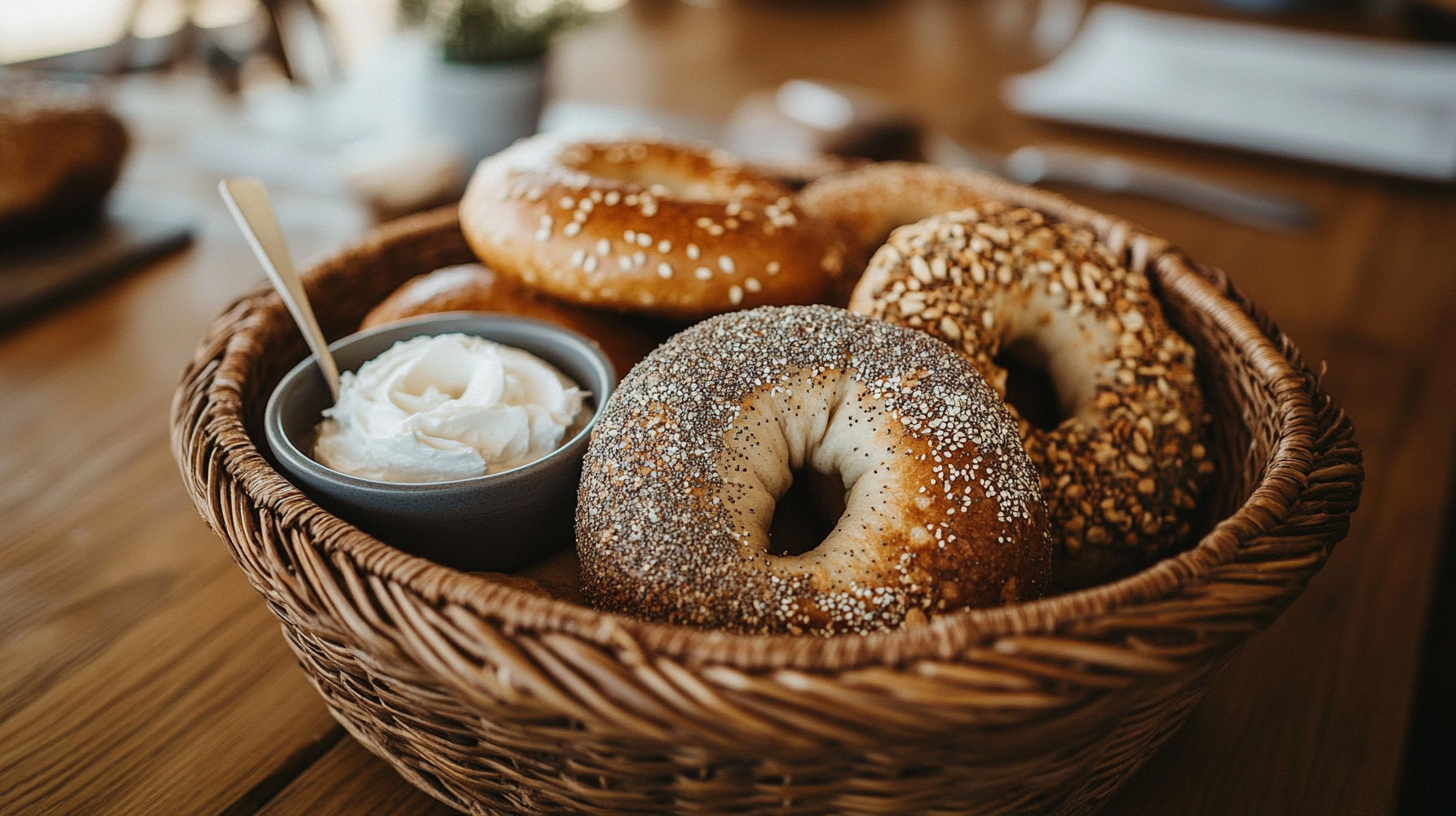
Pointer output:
x,y
488,85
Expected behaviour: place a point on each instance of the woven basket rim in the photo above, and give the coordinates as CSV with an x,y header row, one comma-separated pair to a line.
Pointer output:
x,y
943,636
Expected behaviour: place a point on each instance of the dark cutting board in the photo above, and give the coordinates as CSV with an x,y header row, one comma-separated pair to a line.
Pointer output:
x,y
43,272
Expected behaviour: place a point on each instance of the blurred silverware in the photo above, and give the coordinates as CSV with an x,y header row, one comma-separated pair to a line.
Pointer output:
x,y
1111,174
802,118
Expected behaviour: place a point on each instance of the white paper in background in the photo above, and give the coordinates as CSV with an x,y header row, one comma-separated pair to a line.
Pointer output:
x,y
1389,107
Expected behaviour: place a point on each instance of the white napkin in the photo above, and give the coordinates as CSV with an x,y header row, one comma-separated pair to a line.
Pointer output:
x,y
1382,106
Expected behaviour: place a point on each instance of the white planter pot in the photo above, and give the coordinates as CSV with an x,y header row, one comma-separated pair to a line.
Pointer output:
x,y
482,109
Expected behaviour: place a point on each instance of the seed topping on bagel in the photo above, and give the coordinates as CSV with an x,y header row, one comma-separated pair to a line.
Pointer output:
x,y
1122,471
943,508
643,226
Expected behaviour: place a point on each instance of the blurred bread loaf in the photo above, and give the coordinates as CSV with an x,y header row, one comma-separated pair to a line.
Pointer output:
x,y
60,152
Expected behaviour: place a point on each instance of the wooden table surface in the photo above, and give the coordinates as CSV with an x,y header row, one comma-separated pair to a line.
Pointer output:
x,y
140,674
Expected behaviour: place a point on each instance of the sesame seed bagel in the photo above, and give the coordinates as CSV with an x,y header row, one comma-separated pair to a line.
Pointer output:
x,y
645,227
1122,472
692,451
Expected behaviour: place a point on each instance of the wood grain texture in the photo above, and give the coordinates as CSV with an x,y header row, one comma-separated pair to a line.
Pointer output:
x,y
140,674
183,715
349,779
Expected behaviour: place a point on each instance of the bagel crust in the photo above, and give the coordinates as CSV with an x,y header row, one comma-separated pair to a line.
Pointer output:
x,y
646,227
1122,473
867,203
688,457
473,288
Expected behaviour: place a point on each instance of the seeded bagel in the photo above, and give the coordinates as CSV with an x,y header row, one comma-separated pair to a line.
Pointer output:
x,y
646,227
1122,471
699,441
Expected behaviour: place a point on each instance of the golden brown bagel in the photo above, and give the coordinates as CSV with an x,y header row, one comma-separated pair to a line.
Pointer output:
x,y
1122,471
646,227
867,203
473,288
692,451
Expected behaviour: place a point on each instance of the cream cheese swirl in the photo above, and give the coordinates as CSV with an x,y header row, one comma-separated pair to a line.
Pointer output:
x,y
447,407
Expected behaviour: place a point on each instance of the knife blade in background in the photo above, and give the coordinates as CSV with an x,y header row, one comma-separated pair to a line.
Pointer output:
x,y
1111,174
802,118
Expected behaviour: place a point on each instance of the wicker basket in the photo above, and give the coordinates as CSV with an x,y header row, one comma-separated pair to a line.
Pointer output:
x,y
496,700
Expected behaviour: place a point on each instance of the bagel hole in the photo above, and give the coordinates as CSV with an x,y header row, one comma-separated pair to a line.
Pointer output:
x,y
1029,386
807,513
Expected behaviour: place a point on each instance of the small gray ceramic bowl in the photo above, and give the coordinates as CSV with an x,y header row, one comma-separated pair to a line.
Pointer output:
x,y
499,521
